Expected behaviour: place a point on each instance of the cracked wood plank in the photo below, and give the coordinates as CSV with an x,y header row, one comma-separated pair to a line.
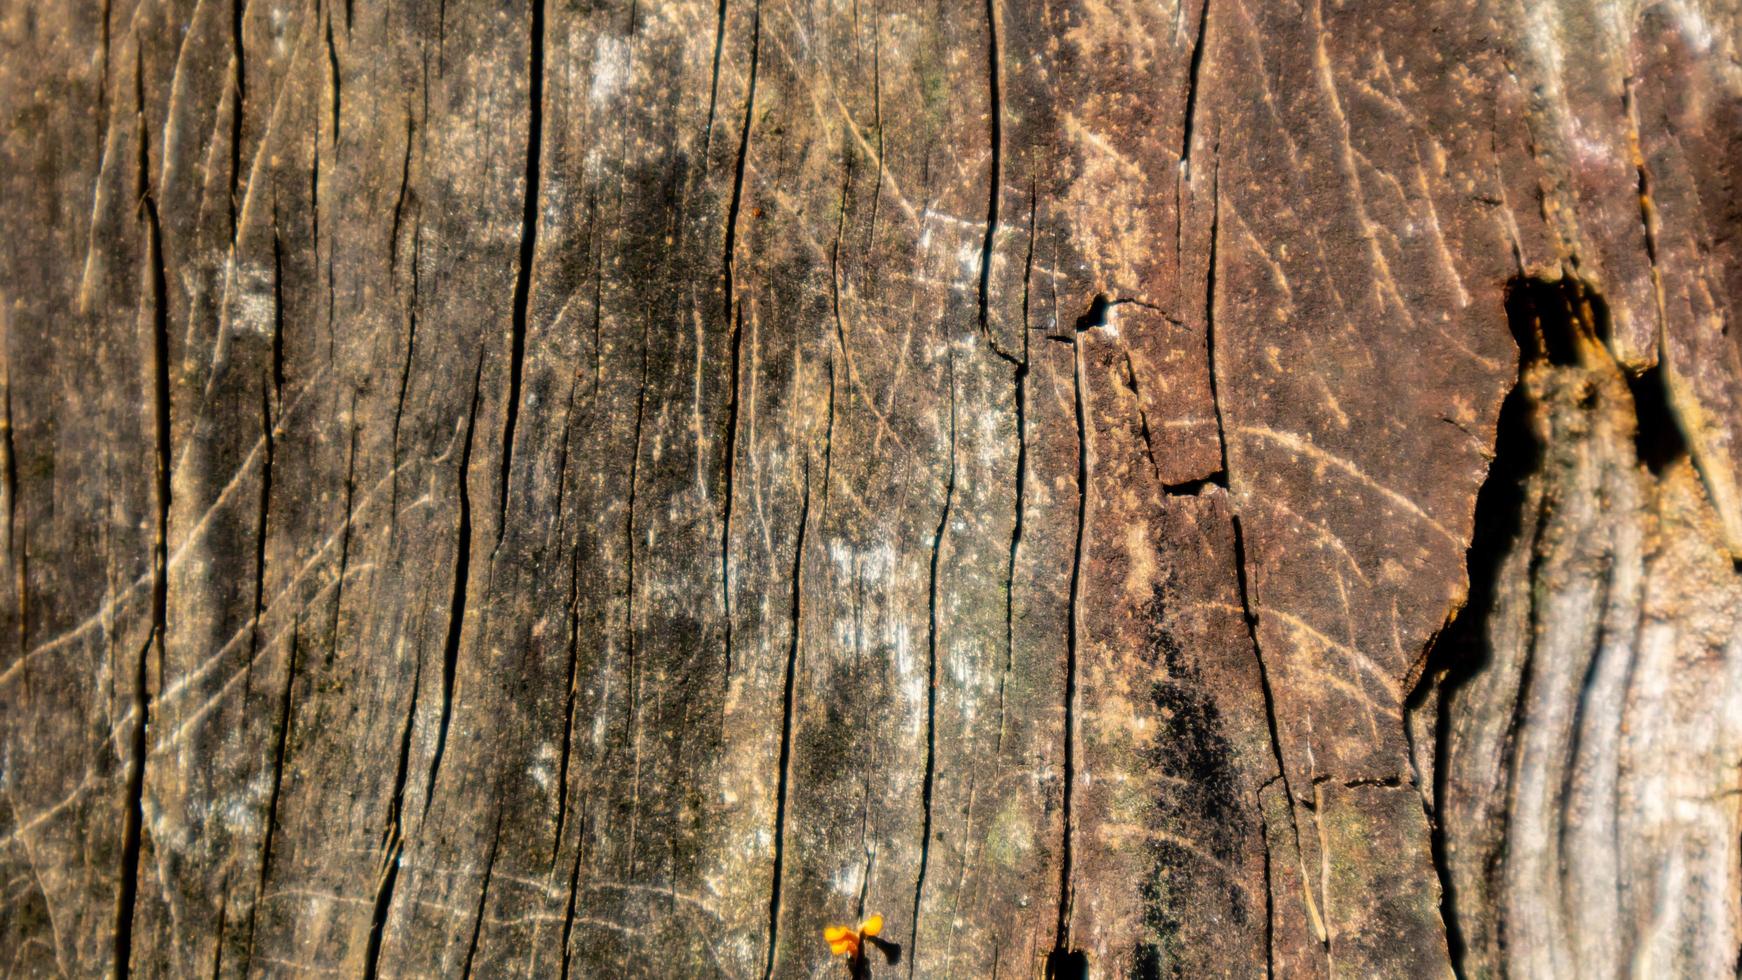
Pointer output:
x,y
549,489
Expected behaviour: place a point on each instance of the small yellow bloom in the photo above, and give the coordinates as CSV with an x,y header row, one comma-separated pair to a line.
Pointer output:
x,y
844,941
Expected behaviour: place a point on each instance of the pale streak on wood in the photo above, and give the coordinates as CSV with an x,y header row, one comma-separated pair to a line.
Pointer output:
x,y
194,536
1295,442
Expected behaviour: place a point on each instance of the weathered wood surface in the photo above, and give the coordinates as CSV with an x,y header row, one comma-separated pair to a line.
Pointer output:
x,y
610,489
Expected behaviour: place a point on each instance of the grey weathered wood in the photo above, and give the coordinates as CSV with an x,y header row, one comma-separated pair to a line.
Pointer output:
x,y
613,488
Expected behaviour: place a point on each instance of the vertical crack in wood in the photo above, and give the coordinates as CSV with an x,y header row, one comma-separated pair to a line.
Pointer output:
x,y
457,600
1210,324
734,313
931,690
238,85
783,787
399,199
395,836
1019,381
730,459
1192,75
877,123
714,79
280,743
1143,420
1248,607
629,602
314,238
995,110
272,403
157,281
528,253
483,896
218,932
335,82
404,376
104,56
1058,963
569,910
345,530
572,607
9,481
732,209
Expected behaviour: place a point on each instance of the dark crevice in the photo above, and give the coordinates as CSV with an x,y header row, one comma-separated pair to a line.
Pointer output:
x,y
743,159
714,79
395,839
730,457
134,816
345,531
877,124
1248,604
1549,321
1067,964
840,351
314,192
1142,416
271,398
1388,782
218,933
1192,76
14,550
828,440
1647,209
260,529
786,725
404,376
277,317
1210,316
272,402
483,897
569,910
1659,439
1063,960
1249,615
735,315
334,78
404,188
1187,124
1192,488
995,107
281,742
239,84
528,251
562,792
103,90
1269,884
1019,513
457,600
1095,315
631,647
931,696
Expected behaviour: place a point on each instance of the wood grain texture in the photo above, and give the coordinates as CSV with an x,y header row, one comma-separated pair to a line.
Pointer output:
x,y
1217,487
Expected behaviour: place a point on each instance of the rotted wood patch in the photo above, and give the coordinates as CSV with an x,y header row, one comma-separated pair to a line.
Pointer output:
x,y
614,489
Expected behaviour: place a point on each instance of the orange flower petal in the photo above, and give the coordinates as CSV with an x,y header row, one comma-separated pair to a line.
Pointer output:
x,y
871,926
840,946
834,934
